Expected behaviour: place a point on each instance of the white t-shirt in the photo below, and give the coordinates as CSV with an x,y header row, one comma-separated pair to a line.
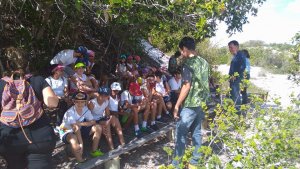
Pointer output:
x,y
64,57
174,85
126,96
98,110
160,88
114,104
71,117
83,78
122,67
58,85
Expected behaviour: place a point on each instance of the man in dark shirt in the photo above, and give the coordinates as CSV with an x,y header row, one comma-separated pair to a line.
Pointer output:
x,y
236,71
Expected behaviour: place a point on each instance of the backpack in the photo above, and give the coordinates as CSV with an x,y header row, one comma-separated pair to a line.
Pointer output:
x,y
20,106
172,65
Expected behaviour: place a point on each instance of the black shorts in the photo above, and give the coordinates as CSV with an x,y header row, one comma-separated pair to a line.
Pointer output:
x,y
85,133
167,99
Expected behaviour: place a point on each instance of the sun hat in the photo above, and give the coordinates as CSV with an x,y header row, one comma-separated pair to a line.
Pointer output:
x,y
103,90
79,65
56,67
134,89
79,96
115,86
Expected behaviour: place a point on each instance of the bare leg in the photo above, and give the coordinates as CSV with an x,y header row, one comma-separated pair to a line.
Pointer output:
x,y
135,116
96,131
169,106
153,109
107,133
116,124
76,149
146,112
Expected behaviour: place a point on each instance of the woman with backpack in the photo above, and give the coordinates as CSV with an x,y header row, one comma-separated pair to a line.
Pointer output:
x,y
27,139
59,85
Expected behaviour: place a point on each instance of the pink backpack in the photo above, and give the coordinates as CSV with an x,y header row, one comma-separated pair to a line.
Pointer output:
x,y
20,106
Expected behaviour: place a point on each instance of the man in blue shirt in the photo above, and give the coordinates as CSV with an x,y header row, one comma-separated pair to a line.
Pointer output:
x,y
236,71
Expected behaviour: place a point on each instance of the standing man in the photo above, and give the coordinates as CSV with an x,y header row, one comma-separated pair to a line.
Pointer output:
x,y
194,91
238,65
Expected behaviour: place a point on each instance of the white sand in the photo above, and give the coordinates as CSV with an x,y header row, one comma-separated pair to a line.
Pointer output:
x,y
277,85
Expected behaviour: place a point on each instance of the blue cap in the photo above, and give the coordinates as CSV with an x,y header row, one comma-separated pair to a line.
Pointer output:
x,y
83,50
103,90
123,56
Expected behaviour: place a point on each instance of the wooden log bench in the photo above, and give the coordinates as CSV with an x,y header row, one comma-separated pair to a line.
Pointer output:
x,y
106,159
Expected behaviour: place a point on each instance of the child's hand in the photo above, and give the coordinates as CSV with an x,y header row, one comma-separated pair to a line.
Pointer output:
x,y
76,127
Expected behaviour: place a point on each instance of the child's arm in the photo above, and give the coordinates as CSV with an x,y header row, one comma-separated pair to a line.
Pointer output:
x,y
127,105
87,123
107,112
168,88
90,106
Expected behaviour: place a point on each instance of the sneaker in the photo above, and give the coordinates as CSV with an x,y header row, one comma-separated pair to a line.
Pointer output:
x,y
154,127
161,120
138,133
168,115
144,129
97,153
121,146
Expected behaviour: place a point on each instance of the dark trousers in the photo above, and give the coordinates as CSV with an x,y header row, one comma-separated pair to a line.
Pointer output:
x,y
244,92
235,93
20,154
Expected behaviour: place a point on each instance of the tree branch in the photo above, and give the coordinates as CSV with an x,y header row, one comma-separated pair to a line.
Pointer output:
x,y
58,33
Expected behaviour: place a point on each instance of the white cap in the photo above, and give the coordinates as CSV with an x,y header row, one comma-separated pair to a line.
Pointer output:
x,y
115,86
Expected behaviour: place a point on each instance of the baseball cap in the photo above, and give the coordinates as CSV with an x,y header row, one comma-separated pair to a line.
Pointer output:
x,y
115,86
130,58
145,70
137,58
103,90
134,89
91,53
79,65
140,80
123,56
83,50
79,96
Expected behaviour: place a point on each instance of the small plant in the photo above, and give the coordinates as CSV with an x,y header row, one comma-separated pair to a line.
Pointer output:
x,y
169,152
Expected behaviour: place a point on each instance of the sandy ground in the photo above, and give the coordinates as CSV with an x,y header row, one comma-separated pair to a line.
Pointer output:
x,y
277,85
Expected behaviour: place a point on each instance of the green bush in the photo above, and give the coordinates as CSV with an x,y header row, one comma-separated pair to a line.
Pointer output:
x,y
261,138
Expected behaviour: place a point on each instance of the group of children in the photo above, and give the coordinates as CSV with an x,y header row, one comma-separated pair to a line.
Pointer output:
x,y
90,107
